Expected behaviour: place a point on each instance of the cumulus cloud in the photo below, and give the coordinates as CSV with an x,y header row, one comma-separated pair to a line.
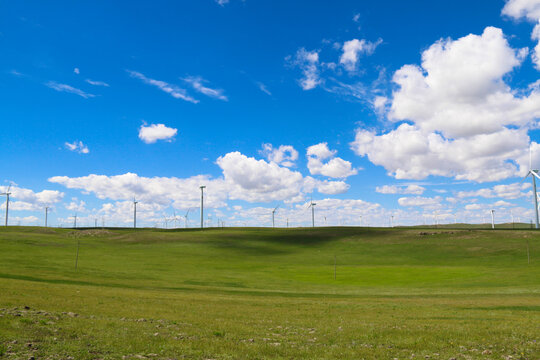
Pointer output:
x,y
69,89
198,84
244,178
398,189
529,9
171,89
420,201
77,146
284,155
467,122
505,191
308,62
26,199
352,50
335,167
154,132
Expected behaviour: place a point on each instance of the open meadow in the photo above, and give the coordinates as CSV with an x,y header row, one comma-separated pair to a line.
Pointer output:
x,y
253,293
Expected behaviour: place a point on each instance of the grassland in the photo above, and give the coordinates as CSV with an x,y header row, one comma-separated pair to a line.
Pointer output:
x,y
343,293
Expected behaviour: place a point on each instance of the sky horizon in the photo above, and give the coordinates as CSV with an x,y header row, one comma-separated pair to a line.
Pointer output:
x,y
424,112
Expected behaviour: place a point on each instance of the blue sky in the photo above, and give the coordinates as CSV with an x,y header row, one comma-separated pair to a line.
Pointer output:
x,y
424,111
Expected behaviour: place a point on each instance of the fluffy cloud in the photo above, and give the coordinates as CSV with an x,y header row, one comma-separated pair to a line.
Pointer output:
x,y
77,146
198,84
467,122
335,167
529,9
26,199
352,50
154,132
284,155
69,89
244,178
171,89
308,62
420,201
397,189
510,191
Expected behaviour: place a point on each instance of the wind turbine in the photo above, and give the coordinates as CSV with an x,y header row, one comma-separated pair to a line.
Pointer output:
x,y
202,205
186,217
75,220
534,175
134,213
312,206
273,212
492,219
46,213
7,193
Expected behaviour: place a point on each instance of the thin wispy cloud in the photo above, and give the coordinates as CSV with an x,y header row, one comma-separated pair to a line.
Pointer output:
x,y
97,83
222,2
263,88
76,71
69,89
77,146
197,83
171,89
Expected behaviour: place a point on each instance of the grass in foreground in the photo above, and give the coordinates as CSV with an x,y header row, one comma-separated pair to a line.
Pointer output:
x,y
263,293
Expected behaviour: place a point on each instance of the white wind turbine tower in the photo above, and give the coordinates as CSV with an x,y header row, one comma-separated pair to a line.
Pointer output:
x,y
492,218
7,193
134,213
534,175
312,206
202,205
46,213
273,212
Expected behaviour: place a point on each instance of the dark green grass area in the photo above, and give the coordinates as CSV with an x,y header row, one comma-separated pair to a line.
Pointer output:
x,y
347,293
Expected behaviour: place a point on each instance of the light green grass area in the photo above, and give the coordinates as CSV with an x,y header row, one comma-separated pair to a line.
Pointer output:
x,y
341,293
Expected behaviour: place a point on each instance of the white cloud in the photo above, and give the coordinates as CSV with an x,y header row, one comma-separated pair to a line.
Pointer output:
x,y
76,206
352,50
397,189
244,178
77,146
154,132
356,17
171,89
197,83
467,122
420,201
529,9
335,167
505,191
263,88
69,89
222,2
473,207
26,199
284,155
308,62
76,71
97,83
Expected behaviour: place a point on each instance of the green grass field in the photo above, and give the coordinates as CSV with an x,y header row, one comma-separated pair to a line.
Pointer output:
x,y
341,293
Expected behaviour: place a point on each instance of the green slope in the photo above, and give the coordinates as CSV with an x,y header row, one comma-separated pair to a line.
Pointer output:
x,y
367,292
